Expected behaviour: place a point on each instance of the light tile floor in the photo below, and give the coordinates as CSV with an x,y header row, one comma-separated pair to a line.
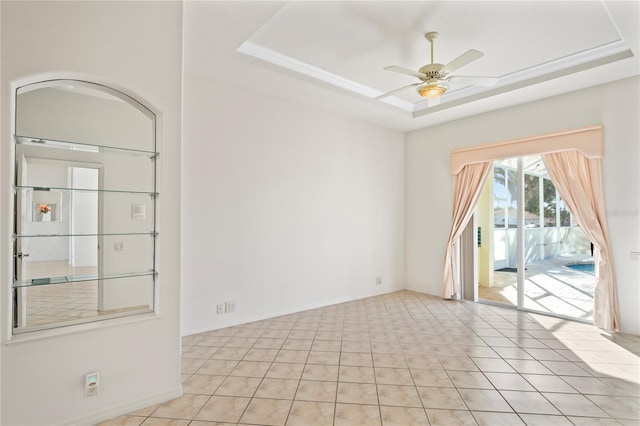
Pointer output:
x,y
405,358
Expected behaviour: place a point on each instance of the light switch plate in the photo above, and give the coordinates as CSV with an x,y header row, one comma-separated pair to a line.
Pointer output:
x,y
138,211
92,384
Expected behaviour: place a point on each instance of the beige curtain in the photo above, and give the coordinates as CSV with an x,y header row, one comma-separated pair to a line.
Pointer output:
x,y
467,185
579,182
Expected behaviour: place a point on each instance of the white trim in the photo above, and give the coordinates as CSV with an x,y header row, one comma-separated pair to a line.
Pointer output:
x,y
577,59
525,77
271,56
30,336
129,407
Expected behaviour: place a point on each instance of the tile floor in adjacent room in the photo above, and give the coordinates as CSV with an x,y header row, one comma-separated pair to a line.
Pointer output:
x,y
405,358
63,303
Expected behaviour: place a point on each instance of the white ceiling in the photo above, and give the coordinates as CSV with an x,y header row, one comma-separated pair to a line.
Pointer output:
x,y
331,54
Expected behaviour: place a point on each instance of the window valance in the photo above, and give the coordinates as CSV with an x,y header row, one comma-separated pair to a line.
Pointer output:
x,y
589,141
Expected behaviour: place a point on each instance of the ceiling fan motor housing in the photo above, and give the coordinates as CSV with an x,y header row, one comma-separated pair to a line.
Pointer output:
x,y
432,72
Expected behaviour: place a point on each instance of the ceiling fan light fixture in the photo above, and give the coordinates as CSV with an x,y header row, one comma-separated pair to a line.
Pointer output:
x,y
434,78
432,90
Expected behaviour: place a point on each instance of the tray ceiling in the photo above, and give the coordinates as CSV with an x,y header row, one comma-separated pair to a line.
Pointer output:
x,y
329,53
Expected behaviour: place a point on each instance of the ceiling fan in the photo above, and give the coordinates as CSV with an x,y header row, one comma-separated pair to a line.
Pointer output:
x,y
435,79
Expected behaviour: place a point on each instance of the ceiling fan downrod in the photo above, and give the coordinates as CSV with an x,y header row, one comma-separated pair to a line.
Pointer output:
x,y
431,37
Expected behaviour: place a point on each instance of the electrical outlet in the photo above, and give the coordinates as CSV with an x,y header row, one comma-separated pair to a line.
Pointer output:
x,y
378,280
118,246
220,309
92,384
230,306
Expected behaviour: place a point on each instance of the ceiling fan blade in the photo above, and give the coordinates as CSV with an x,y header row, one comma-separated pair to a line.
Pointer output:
x,y
472,81
404,71
397,90
462,60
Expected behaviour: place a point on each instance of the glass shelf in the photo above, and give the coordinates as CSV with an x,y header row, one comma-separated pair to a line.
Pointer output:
x,y
79,278
108,191
112,234
76,146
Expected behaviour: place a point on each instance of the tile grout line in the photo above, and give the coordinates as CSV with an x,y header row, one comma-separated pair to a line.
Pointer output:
x,y
301,374
212,393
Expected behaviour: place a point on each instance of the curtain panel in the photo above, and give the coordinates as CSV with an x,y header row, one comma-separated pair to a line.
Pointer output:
x,y
467,185
578,179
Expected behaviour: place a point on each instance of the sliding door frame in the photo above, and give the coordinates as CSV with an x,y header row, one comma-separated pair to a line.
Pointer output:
x,y
468,257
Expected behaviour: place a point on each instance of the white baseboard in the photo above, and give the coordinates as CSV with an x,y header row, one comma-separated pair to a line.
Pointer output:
x,y
266,315
119,410
630,330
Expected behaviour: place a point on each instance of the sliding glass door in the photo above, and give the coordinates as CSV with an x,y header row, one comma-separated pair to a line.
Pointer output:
x,y
531,254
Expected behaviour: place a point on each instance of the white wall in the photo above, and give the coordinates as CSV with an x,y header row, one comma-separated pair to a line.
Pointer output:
x,y
429,183
134,47
285,207
41,249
